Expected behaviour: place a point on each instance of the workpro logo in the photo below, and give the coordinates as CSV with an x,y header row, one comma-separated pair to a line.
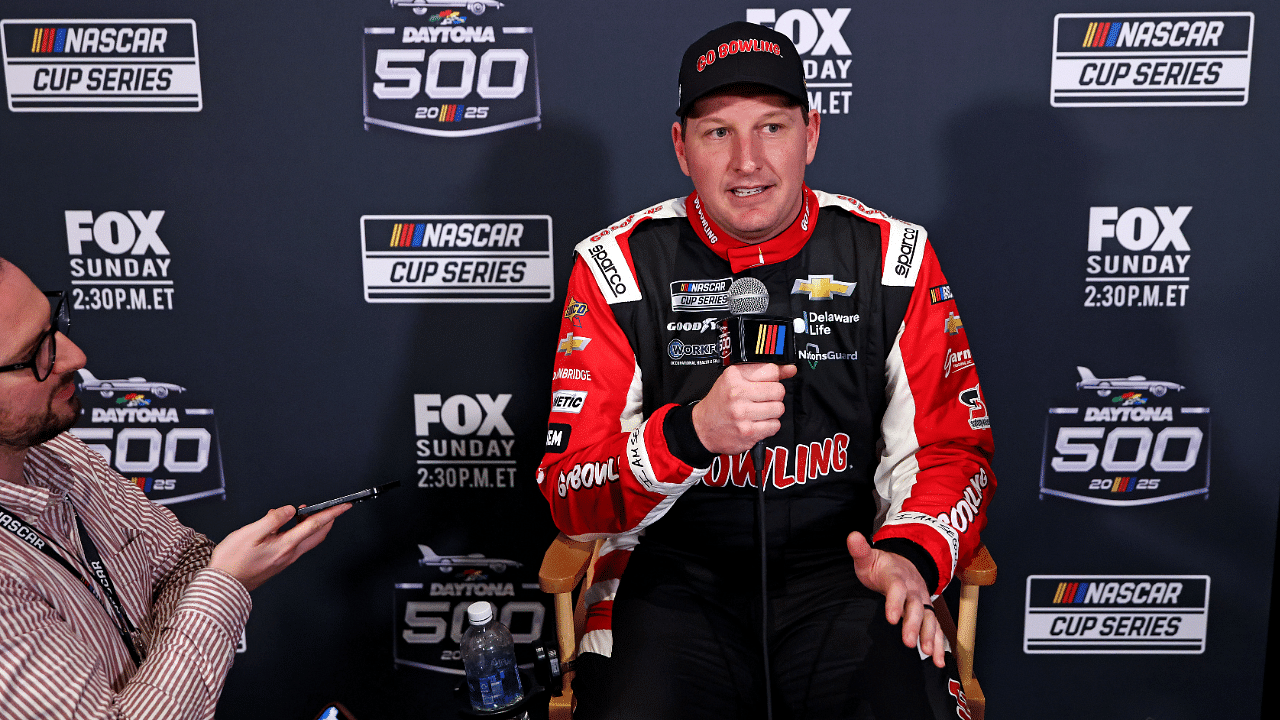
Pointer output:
x,y
1137,258
464,441
457,258
118,260
1152,59
818,37
1121,441
450,79
101,65
1116,614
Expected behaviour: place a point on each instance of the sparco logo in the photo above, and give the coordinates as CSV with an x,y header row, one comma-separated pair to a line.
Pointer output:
x,y
817,34
1151,270
1116,614
101,65
1146,59
468,80
118,261
906,251
609,271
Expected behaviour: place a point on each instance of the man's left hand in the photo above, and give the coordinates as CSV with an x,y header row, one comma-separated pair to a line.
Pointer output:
x,y
905,595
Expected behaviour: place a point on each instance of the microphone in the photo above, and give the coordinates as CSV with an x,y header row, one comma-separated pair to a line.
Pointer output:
x,y
747,336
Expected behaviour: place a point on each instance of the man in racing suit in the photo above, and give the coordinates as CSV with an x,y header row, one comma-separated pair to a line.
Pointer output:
x,y
879,431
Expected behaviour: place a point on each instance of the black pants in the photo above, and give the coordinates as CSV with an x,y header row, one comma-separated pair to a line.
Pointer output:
x,y
687,645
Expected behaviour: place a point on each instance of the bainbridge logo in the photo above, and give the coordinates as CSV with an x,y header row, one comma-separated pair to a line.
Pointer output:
x,y
1151,59
101,65
1116,614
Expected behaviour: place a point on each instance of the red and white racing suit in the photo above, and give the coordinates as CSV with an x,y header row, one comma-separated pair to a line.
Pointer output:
x,y
885,430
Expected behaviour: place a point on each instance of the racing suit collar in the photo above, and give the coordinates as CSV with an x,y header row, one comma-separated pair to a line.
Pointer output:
x,y
742,256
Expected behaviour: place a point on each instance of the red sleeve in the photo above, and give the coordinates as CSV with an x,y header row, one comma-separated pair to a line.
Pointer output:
x,y
607,469
935,475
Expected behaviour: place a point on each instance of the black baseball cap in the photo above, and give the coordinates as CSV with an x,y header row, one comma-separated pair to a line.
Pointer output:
x,y
741,52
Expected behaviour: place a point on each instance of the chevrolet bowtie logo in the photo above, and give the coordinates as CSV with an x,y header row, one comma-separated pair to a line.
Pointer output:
x,y
822,287
953,325
569,343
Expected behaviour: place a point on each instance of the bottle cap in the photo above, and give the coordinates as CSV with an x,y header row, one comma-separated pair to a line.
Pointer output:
x,y
480,613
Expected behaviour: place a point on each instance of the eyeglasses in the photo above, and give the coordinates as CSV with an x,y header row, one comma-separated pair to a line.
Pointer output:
x,y
41,362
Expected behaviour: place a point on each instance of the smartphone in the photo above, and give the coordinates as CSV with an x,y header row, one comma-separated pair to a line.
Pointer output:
x,y
355,497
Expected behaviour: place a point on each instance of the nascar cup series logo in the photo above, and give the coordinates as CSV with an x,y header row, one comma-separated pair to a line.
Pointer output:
x,y
101,65
824,52
1151,59
1116,614
155,434
464,441
1137,257
1131,444
431,610
442,70
457,258
118,261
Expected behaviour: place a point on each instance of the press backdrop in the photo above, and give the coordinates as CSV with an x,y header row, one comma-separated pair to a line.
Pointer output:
x,y
318,246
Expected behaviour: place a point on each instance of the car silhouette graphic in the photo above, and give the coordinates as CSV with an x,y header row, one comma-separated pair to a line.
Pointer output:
x,y
420,7
107,388
1104,386
448,562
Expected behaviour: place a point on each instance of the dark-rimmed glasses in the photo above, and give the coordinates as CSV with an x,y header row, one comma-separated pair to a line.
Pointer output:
x,y
41,362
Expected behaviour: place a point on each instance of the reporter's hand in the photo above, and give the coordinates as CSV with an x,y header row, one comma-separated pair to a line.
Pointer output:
x,y
257,551
742,407
905,595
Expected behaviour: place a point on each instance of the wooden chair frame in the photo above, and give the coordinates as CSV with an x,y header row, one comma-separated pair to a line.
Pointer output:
x,y
569,563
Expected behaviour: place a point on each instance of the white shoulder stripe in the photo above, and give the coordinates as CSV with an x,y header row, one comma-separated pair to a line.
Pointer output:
x,y
606,260
906,240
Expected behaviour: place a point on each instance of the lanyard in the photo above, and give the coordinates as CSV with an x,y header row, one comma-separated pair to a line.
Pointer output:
x,y
96,569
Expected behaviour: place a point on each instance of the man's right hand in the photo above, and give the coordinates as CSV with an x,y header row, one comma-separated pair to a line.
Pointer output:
x,y
742,408
257,551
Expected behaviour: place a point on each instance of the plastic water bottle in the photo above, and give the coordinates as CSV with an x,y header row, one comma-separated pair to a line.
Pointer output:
x,y
489,656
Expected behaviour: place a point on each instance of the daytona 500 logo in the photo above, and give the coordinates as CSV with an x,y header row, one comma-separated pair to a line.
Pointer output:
x,y
449,76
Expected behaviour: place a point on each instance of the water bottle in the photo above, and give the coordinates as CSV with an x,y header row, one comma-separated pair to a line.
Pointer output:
x,y
489,655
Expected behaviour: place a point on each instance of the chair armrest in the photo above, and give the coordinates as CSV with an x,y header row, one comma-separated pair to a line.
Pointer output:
x,y
564,564
980,570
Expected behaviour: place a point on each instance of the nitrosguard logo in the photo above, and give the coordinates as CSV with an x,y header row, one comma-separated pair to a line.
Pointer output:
x,y
1129,445
457,258
118,261
451,78
1151,59
1116,614
816,34
153,434
464,441
1137,258
101,65
431,610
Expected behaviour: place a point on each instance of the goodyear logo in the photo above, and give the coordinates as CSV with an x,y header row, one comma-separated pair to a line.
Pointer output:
x,y
1151,59
101,65
1116,614
457,258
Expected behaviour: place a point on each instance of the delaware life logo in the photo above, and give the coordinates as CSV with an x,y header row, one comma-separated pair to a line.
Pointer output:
x,y
155,434
1125,441
431,607
449,72
464,441
118,260
1151,59
818,36
101,65
1116,614
457,258
1138,257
